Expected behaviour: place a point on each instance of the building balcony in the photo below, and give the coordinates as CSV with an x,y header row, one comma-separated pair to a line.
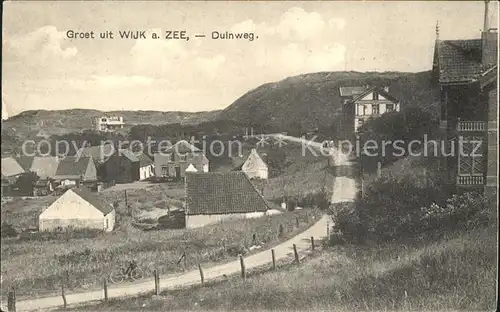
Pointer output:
x,y
470,180
471,126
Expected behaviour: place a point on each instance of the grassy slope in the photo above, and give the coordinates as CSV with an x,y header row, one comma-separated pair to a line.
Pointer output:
x,y
27,124
458,273
36,267
313,100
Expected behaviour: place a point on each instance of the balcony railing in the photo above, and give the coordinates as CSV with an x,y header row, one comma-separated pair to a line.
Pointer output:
x,y
475,126
470,180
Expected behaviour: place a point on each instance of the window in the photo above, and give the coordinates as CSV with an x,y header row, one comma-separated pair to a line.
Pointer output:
x,y
389,108
471,159
164,171
375,109
375,95
103,119
361,110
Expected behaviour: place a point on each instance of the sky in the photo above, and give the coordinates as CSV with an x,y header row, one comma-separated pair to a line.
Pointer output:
x,y
44,69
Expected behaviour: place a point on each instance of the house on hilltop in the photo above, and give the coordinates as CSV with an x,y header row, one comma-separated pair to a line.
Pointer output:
x,y
213,197
467,72
173,162
362,103
77,209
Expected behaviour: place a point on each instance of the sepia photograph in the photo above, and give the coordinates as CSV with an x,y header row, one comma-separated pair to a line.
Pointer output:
x,y
249,156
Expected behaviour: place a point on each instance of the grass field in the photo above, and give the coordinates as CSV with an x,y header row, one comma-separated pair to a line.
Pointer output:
x,y
456,273
36,267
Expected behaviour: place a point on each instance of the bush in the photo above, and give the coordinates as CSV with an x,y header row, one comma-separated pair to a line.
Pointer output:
x,y
400,210
466,211
390,209
8,230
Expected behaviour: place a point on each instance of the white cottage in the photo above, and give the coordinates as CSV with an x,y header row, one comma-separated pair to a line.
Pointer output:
x,y
255,167
78,209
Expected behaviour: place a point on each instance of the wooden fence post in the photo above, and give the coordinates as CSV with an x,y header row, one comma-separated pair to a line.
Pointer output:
x,y
297,260
274,259
312,243
297,222
105,286
243,271
63,293
11,300
201,273
281,230
328,229
254,239
157,282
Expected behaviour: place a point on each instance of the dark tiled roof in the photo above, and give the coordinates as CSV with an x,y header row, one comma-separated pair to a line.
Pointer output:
x,y
351,91
99,153
459,60
182,147
221,193
144,160
25,162
379,90
129,154
72,167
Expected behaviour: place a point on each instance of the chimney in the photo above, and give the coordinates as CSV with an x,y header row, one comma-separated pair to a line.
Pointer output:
x,y
486,25
489,38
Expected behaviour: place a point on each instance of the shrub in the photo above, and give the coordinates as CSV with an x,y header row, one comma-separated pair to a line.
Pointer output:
x,y
465,211
389,209
400,210
8,230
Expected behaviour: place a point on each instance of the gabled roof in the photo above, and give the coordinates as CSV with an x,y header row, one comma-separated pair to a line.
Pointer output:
x,y
25,162
45,167
92,199
221,193
458,60
129,154
488,77
199,159
144,160
352,90
99,153
253,161
10,167
372,89
71,167
182,147
191,168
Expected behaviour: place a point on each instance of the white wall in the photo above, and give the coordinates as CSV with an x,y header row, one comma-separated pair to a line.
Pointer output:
x,y
110,217
196,221
145,172
70,210
205,168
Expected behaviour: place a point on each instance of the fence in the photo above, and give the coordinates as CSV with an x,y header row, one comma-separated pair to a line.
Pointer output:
x,y
297,258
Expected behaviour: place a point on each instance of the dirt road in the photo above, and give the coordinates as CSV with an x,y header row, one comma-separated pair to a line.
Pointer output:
x,y
302,241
